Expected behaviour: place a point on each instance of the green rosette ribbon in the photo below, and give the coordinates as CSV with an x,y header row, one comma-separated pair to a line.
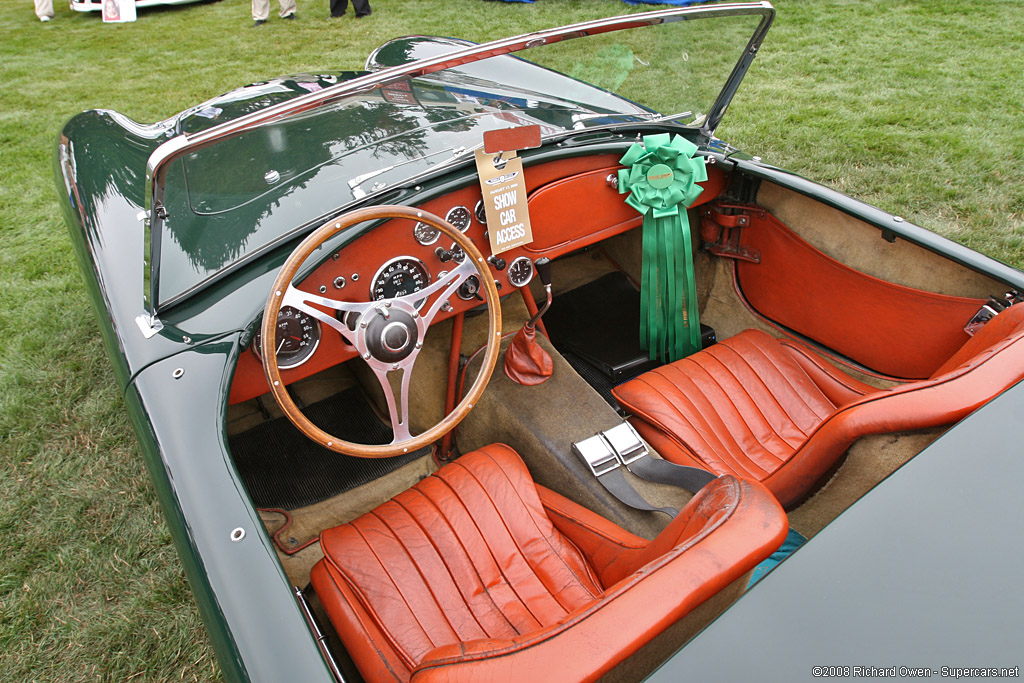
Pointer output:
x,y
661,177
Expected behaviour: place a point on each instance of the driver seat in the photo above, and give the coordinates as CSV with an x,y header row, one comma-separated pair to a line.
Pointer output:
x,y
478,573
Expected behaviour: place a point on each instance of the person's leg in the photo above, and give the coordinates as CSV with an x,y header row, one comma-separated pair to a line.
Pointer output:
x,y
260,10
338,8
44,9
287,8
362,7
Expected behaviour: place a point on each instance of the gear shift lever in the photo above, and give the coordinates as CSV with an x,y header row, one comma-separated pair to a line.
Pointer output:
x,y
526,362
543,266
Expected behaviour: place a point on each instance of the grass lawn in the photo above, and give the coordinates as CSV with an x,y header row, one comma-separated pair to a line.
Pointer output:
x,y
915,106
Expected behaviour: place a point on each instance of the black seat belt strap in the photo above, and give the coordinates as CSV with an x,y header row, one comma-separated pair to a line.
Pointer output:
x,y
606,452
604,463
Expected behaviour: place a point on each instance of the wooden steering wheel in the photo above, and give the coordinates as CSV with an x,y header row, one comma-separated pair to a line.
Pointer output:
x,y
388,334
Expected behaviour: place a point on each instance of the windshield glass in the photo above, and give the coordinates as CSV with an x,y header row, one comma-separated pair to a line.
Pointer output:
x,y
231,199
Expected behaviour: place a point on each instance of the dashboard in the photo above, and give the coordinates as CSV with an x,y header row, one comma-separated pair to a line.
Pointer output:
x,y
572,205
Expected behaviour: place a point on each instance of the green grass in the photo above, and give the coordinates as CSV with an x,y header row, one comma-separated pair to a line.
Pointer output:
x,y
914,106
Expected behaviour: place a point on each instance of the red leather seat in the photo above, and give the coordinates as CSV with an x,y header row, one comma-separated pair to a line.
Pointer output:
x,y
476,573
775,411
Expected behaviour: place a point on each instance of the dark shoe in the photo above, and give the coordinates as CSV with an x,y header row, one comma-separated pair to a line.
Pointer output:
x,y
291,16
258,23
364,14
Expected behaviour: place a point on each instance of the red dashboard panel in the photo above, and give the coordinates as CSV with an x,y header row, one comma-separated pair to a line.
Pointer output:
x,y
571,206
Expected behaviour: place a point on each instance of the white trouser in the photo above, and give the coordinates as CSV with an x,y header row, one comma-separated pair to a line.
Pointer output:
x,y
44,8
261,9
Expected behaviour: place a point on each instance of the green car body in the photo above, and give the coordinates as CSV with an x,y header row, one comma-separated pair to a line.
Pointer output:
x,y
176,377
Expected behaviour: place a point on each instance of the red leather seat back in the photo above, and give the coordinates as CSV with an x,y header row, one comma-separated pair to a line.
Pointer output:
x,y
775,411
468,553
465,576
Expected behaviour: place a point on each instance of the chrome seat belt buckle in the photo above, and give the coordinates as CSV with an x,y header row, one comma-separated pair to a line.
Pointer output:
x,y
596,454
626,442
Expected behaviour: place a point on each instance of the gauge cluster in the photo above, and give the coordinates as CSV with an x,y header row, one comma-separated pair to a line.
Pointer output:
x,y
398,258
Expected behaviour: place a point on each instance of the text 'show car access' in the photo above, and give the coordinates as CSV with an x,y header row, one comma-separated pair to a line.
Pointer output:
x,y
504,197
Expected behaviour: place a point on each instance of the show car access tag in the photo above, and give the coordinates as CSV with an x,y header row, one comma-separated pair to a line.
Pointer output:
x,y
504,197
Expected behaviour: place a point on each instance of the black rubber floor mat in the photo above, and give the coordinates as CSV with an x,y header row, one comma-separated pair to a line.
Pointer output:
x,y
600,323
283,469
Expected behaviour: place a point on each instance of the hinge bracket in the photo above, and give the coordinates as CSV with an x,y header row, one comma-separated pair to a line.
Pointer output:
x,y
721,226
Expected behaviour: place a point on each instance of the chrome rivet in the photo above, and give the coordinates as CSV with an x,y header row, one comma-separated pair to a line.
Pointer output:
x,y
366,356
898,219
187,339
419,345
419,214
756,160
322,289
279,292
339,282
405,450
237,534
178,373
330,443
271,176
337,255
394,366
355,277
277,383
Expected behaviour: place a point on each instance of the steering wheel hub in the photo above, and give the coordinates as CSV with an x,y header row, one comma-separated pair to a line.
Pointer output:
x,y
392,338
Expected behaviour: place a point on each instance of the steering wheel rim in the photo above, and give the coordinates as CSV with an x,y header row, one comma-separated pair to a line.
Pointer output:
x,y
407,316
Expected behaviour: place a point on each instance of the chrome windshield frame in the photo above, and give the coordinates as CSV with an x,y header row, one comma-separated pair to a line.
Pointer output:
x,y
180,145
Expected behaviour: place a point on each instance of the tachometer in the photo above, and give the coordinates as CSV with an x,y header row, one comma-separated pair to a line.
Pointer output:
x,y
399,277
298,335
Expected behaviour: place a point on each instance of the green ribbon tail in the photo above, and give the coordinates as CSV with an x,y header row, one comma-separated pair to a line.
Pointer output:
x,y
691,317
670,324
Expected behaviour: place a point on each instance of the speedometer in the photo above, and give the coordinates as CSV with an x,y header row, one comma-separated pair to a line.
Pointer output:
x,y
296,338
399,277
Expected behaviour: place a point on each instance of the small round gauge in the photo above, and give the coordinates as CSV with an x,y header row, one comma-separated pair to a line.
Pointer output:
x,y
458,255
425,234
480,211
399,277
298,335
460,217
520,271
